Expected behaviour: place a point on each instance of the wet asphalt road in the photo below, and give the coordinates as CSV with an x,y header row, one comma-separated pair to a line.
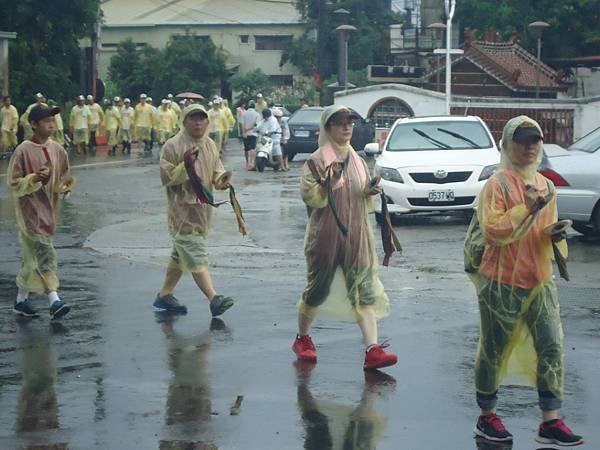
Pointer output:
x,y
115,375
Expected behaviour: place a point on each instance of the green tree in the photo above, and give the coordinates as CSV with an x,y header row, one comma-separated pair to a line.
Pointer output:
x,y
45,56
368,45
185,64
251,83
573,28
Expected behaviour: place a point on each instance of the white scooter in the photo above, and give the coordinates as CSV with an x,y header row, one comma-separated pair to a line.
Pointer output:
x,y
264,150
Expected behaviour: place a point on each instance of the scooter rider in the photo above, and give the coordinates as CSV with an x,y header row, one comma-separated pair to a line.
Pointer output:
x,y
269,127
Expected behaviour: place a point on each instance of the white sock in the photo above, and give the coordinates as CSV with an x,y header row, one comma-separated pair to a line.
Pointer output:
x,y
53,297
22,295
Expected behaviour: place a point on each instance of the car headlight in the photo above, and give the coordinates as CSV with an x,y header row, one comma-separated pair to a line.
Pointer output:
x,y
488,171
388,174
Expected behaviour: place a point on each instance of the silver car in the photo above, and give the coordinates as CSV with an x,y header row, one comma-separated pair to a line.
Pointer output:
x,y
576,174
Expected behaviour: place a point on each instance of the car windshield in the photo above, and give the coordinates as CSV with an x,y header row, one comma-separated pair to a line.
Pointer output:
x,y
306,116
589,143
439,135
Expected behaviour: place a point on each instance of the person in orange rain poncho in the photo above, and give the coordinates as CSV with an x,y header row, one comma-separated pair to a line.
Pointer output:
x,y
520,329
38,173
342,267
189,220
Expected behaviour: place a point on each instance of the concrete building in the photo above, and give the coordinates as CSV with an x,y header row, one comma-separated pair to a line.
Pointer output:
x,y
4,64
252,32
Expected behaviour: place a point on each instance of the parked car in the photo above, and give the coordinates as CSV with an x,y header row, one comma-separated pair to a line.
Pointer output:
x,y
304,131
437,163
576,174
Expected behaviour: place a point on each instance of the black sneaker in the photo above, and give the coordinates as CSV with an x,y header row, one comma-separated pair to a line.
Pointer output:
x,y
59,309
169,303
490,427
557,432
220,304
25,309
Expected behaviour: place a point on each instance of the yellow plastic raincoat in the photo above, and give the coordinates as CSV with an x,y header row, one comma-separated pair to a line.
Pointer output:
x,y
342,273
112,121
521,332
10,122
143,119
189,220
37,207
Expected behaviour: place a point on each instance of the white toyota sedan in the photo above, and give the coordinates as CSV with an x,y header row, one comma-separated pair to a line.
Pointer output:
x,y
437,163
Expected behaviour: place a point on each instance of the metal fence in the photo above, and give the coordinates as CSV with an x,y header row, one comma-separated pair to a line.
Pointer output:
x,y
557,124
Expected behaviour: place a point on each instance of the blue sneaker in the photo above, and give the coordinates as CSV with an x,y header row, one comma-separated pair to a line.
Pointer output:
x,y
169,303
25,309
59,309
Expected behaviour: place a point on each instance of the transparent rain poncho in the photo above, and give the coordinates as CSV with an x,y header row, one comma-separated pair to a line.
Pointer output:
x,y
188,219
342,271
521,333
37,208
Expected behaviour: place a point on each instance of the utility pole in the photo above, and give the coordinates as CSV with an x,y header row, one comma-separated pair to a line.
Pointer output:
x,y
322,28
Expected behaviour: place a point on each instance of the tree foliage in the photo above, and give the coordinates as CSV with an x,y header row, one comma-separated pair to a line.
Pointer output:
x,y
368,45
45,56
251,83
185,64
573,28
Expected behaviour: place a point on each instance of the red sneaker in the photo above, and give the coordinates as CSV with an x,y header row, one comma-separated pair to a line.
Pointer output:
x,y
305,349
376,358
557,432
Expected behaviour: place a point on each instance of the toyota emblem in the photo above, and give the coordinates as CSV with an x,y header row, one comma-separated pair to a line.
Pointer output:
x,y
440,174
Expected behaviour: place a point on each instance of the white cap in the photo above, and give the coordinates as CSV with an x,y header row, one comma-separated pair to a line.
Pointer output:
x,y
164,101
39,95
169,95
127,100
90,97
259,95
117,99
143,96
216,101
149,99
182,102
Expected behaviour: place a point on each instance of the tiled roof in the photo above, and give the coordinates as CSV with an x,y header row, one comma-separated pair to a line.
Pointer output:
x,y
198,12
510,63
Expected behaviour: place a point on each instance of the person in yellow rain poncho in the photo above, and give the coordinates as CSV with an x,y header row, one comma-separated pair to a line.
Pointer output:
x,y
218,123
79,125
143,119
112,122
9,123
520,329
339,244
166,121
230,120
189,219
175,107
59,132
127,113
96,120
27,130
38,173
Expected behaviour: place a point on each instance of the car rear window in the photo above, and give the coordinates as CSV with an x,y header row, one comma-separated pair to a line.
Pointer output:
x,y
306,116
439,135
589,143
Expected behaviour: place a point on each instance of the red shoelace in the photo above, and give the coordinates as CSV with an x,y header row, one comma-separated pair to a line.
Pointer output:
x,y
495,421
560,424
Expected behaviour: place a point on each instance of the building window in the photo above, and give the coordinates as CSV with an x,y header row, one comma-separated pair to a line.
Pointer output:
x,y
281,80
113,47
387,110
244,38
201,38
273,42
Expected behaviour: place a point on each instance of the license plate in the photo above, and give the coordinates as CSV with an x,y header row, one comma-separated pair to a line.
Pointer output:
x,y
301,133
446,195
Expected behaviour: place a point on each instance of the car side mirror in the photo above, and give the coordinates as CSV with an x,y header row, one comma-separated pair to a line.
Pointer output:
x,y
372,149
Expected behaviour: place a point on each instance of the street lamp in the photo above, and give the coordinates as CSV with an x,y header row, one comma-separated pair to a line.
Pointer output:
x,y
537,28
449,6
438,28
344,31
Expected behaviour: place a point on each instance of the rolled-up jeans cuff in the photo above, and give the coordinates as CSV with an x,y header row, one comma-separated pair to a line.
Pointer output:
x,y
548,402
487,401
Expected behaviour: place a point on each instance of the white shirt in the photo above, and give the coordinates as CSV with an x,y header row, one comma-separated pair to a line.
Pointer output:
x,y
249,121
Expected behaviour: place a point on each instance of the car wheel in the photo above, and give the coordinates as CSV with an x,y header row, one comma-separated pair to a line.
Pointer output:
x,y
260,164
291,156
584,228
